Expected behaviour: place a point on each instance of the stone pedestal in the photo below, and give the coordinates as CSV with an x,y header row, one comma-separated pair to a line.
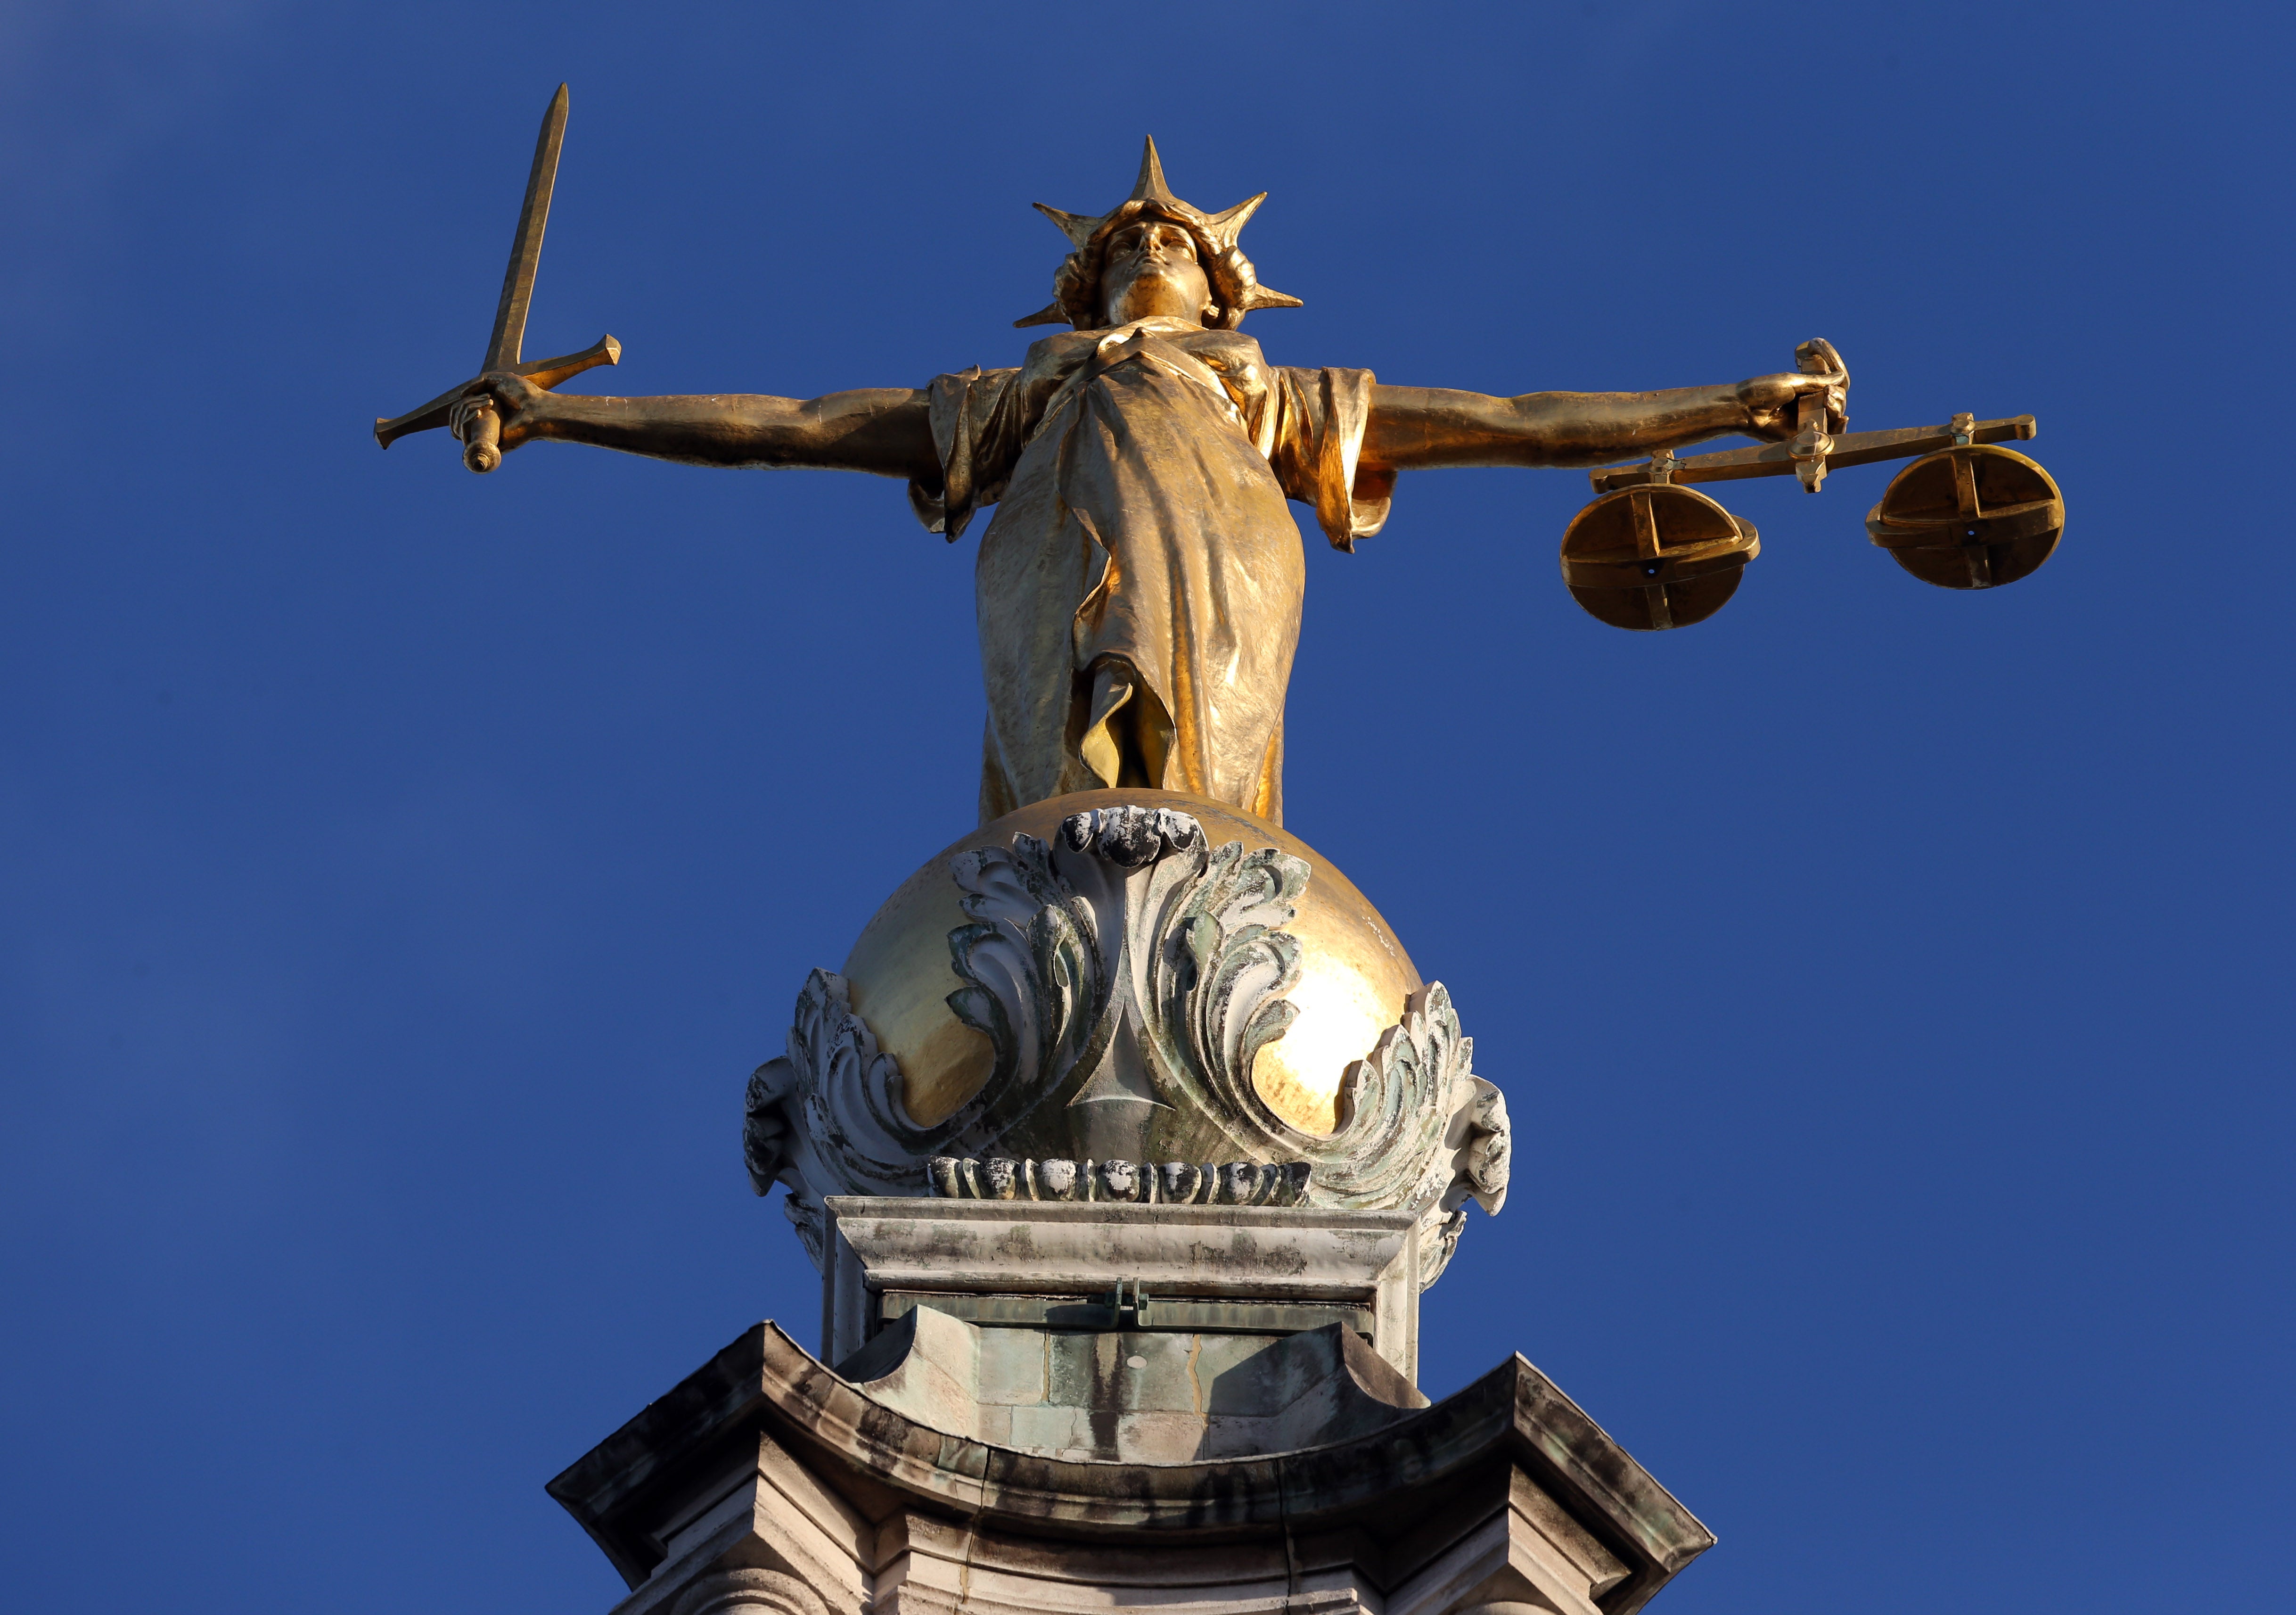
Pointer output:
x,y
1057,1407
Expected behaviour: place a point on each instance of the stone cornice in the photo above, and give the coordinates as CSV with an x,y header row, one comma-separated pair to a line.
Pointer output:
x,y
1447,1456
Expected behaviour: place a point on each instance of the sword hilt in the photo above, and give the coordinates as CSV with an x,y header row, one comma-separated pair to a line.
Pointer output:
x,y
543,373
482,437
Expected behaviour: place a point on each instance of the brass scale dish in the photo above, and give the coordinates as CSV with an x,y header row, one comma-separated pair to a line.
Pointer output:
x,y
1651,553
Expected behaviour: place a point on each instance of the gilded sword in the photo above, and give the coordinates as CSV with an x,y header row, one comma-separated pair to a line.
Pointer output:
x,y
481,427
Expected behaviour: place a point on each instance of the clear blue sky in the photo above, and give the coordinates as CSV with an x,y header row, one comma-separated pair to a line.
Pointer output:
x,y
401,870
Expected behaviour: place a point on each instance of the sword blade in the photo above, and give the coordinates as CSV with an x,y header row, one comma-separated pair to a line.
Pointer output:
x,y
526,246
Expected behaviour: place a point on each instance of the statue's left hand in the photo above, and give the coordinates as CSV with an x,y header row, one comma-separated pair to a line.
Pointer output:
x,y
1773,402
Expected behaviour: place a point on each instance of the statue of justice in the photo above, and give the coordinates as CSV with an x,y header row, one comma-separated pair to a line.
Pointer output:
x,y
1139,583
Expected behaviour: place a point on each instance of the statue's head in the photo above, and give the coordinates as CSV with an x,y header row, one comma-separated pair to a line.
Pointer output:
x,y
1155,254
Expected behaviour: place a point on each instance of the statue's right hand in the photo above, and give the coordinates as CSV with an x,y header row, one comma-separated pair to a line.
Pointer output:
x,y
513,399
1772,402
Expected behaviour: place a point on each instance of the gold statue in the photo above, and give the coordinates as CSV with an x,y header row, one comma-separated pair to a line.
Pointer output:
x,y
1139,585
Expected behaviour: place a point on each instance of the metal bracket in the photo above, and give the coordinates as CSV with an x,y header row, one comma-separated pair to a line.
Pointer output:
x,y
1138,1310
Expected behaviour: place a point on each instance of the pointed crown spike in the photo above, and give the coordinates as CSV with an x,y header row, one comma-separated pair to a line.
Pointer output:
x,y
1234,284
1078,228
1225,228
1151,187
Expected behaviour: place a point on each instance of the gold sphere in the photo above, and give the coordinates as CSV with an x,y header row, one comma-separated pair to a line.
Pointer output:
x,y
1354,975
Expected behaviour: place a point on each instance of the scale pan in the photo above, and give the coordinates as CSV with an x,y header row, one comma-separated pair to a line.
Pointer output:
x,y
1972,517
1655,556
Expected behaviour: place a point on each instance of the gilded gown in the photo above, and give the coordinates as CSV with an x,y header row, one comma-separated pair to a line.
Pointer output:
x,y
1142,567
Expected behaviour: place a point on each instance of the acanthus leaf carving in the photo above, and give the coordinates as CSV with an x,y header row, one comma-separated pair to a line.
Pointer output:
x,y
1034,967
827,1117
1419,1129
1396,1106
1220,972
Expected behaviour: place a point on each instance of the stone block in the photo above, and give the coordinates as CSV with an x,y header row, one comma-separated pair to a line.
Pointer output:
x,y
1243,1376
1057,1431
1012,1366
1159,1437
1079,1369
1156,1373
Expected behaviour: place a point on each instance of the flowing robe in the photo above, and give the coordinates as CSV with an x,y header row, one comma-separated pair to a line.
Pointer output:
x,y
1143,568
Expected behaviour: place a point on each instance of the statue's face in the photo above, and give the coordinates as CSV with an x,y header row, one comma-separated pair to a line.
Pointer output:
x,y
1152,269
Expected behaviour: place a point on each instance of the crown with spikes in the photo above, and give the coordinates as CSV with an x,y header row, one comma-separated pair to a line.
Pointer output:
x,y
1235,286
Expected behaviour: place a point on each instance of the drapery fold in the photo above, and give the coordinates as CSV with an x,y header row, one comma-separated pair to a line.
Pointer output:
x,y
1139,587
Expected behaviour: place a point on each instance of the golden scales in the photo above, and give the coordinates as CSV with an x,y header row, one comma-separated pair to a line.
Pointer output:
x,y
1652,553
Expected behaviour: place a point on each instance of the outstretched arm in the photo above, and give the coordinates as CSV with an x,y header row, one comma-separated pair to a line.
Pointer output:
x,y
1415,427
885,431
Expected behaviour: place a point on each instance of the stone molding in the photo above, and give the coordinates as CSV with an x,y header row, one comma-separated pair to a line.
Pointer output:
x,y
1017,1248
1127,974
1135,1182
742,1592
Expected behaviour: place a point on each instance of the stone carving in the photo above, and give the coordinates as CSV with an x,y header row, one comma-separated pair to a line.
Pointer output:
x,y
1396,1106
1130,973
750,1593
1148,1182
826,1117
1479,1140
1127,974
1434,1134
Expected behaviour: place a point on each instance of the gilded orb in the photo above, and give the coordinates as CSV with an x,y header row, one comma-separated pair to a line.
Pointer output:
x,y
1353,975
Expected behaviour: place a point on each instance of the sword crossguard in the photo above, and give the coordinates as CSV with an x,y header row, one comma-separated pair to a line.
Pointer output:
x,y
543,373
